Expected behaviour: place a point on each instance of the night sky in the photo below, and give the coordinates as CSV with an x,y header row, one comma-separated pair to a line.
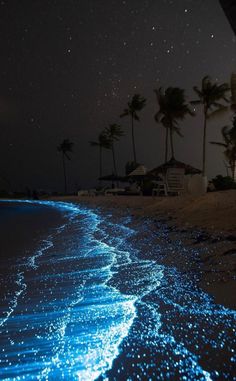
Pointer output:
x,y
69,67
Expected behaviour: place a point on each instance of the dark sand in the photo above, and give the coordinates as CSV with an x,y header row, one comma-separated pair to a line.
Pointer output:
x,y
211,219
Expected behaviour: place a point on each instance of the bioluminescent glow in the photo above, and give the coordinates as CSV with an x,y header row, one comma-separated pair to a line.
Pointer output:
x,y
101,300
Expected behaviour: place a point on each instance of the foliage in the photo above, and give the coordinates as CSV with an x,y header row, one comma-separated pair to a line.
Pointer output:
x,y
229,137
172,108
64,147
223,182
210,96
113,133
137,104
103,141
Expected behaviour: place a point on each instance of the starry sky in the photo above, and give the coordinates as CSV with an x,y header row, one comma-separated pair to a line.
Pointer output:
x,y
69,67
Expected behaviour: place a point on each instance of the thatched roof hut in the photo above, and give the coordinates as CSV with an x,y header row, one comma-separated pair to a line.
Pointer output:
x,y
172,163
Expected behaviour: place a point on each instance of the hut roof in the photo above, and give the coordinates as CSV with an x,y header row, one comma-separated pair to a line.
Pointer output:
x,y
141,170
172,163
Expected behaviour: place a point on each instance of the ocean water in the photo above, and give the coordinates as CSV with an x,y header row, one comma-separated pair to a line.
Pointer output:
x,y
60,319
83,299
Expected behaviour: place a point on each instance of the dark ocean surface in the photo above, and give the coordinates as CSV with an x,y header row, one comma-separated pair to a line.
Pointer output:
x,y
83,299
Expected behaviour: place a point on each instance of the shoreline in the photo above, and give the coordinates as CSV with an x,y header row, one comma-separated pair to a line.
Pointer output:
x,y
215,237
154,259
214,211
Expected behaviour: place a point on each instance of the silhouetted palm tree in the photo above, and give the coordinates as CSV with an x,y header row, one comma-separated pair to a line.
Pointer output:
x,y
210,96
103,142
172,107
229,137
137,104
64,148
113,133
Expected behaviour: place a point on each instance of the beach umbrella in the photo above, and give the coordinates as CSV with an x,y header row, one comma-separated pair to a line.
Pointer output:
x,y
141,170
172,163
140,174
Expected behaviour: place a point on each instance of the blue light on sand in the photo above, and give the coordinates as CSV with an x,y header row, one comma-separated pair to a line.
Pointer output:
x,y
64,320
89,303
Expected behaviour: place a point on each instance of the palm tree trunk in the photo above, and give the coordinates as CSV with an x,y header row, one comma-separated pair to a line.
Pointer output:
x,y
114,159
166,144
171,142
204,143
64,172
133,142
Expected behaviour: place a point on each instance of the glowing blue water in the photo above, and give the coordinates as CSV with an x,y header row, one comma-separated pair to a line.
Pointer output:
x,y
90,304
64,320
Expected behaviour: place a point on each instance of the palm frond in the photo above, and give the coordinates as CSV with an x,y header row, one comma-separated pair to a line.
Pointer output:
x,y
65,146
216,113
125,113
197,91
67,156
136,104
178,132
196,102
219,144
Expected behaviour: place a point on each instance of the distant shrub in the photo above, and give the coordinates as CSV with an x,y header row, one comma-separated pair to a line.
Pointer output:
x,y
223,182
147,188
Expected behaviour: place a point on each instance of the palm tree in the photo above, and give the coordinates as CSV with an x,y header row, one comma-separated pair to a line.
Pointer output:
x,y
113,133
229,137
210,96
172,107
102,142
64,147
137,104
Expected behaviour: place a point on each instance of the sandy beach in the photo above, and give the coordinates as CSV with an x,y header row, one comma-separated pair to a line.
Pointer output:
x,y
207,223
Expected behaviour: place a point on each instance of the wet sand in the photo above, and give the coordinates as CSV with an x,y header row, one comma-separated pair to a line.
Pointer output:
x,y
211,218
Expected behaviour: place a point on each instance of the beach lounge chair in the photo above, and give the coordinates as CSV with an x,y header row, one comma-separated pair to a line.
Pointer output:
x,y
159,187
175,180
172,183
83,192
87,192
114,191
101,191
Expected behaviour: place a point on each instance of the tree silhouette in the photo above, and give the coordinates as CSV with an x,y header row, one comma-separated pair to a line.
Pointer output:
x,y
229,137
137,104
172,107
210,97
113,133
102,142
64,148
